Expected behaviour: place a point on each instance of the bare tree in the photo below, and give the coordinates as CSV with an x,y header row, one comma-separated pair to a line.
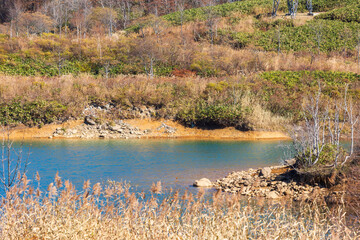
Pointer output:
x,y
106,16
56,10
147,50
315,128
35,23
13,162
81,16
352,117
318,32
16,10
324,126
358,52
126,9
278,38
211,17
336,124
158,26
180,6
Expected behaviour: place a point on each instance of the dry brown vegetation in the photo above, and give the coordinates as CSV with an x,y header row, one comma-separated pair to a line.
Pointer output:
x,y
113,212
168,95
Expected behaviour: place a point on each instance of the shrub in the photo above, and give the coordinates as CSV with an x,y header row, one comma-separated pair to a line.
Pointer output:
x,y
215,115
327,155
349,13
222,10
36,113
252,7
283,91
317,35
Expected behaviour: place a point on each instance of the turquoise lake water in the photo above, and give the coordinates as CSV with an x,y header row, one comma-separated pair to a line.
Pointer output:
x,y
176,163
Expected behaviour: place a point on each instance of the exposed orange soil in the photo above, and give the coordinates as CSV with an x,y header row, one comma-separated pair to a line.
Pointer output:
x,y
185,132
23,132
153,125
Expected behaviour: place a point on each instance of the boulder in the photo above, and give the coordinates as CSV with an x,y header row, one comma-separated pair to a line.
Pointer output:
x,y
116,128
263,184
272,195
290,162
256,184
204,182
89,121
266,172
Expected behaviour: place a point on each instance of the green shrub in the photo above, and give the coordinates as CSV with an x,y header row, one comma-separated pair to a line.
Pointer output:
x,y
327,156
349,13
326,5
236,40
283,91
215,115
222,10
250,7
318,35
36,113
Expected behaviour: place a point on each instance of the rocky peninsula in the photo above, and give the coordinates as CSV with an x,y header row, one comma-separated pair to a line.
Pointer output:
x,y
274,183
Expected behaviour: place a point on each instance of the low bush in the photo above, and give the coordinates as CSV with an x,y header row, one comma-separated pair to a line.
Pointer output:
x,y
222,10
36,113
283,91
251,7
350,13
214,115
327,156
315,36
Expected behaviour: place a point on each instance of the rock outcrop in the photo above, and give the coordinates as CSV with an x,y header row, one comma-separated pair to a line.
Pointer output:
x,y
271,183
117,129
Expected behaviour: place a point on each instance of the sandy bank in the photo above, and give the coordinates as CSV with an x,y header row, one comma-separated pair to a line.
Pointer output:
x,y
152,127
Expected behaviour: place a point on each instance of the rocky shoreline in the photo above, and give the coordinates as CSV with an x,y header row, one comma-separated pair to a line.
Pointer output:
x,y
111,130
274,183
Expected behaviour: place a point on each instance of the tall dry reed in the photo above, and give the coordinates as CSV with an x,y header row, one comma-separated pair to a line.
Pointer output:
x,y
114,212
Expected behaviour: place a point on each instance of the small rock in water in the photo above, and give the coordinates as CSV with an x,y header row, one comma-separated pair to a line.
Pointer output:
x,y
204,182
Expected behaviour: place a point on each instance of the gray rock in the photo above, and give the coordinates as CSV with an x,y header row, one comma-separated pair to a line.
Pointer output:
x,y
204,182
116,128
263,184
89,121
256,184
272,195
290,162
266,172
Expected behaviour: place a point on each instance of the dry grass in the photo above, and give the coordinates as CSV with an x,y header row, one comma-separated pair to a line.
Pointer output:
x,y
170,93
113,212
261,117
229,61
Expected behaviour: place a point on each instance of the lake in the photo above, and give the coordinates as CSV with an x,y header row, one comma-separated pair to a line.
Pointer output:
x,y
176,163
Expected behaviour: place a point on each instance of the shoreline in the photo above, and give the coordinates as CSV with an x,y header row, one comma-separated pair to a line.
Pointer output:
x,y
277,182
150,129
